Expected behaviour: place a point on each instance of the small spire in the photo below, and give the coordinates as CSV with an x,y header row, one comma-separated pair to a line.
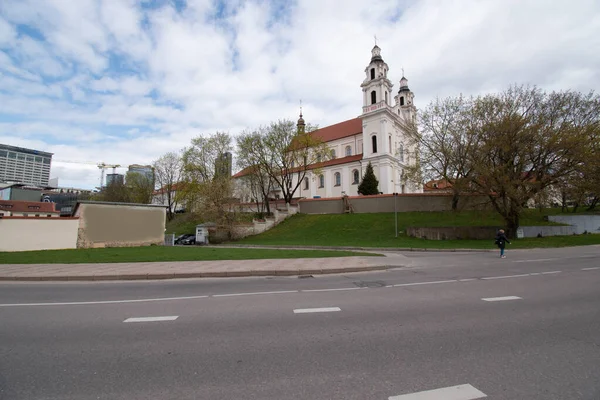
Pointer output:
x,y
300,108
375,36
403,72
300,125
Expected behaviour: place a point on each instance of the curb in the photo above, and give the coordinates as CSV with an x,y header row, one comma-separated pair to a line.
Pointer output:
x,y
370,249
187,275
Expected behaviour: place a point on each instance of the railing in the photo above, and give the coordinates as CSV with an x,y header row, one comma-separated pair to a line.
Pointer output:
x,y
375,107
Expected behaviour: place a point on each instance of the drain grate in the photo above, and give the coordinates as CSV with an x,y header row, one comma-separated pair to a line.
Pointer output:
x,y
370,284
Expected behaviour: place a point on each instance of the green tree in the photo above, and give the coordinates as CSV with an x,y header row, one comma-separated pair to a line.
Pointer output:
x,y
139,187
369,184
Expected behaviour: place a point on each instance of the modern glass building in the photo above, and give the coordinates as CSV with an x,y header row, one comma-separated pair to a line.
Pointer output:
x,y
145,170
26,166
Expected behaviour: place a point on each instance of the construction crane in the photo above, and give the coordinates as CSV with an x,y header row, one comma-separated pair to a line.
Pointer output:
x,y
101,165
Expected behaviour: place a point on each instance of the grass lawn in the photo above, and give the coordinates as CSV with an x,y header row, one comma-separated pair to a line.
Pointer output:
x,y
377,230
160,253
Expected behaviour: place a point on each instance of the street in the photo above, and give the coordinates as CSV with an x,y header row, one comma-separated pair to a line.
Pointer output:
x,y
459,325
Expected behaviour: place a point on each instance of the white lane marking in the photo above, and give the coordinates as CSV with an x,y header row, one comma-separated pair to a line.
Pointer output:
x,y
539,259
315,310
330,290
424,283
506,276
460,392
80,303
467,280
551,272
505,298
152,319
254,293
590,269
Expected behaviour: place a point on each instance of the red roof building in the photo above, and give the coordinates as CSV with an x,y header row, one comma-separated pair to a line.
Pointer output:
x,y
16,208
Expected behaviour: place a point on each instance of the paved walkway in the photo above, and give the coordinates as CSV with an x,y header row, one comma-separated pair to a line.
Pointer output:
x,y
195,269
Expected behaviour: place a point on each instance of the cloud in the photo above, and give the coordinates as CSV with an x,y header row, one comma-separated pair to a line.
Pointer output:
x,y
125,81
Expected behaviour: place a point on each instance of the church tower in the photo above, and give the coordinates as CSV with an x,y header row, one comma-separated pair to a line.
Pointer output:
x,y
385,144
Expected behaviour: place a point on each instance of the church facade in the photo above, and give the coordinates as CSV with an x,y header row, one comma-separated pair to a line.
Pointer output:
x,y
376,136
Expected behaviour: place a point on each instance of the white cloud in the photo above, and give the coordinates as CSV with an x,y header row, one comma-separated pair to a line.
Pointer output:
x,y
128,83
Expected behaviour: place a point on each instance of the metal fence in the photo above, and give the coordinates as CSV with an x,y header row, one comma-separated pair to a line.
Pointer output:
x,y
169,239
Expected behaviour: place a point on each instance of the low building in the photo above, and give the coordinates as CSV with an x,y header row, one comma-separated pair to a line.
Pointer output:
x,y
16,208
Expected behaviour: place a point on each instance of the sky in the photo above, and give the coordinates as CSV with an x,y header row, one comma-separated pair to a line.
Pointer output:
x,y
125,81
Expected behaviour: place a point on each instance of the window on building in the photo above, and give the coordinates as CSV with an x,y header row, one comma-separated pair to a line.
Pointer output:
x,y
332,153
373,97
348,151
293,164
305,183
386,97
46,161
372,73
401,100
319,158
374,143
338,179
3,153
390,143
321,181
355,177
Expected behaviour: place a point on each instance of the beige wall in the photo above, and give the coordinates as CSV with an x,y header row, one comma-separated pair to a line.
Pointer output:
x,y
385,203
30,233
120,225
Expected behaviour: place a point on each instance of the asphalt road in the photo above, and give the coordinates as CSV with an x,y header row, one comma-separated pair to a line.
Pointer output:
x,y
376,335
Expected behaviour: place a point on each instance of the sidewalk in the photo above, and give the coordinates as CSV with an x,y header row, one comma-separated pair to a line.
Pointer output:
x,y
195,269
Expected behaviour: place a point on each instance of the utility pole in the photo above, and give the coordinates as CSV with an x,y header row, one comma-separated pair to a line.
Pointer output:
x,y
396,212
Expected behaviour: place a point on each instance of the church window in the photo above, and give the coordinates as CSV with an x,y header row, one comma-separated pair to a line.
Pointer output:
x,y
332,153
321,181
338,179
305,183
401,100
319,158
374,143
372,73
348,151
373,97
355,177
386,97
390,143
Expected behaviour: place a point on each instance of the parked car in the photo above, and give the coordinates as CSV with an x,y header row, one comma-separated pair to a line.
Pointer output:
x,y
186,239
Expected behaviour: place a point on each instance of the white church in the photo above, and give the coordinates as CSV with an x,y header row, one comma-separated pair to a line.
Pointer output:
x,y
376,136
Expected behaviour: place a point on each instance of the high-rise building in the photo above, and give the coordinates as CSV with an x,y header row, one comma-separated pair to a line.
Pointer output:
x,y
145,170
26,166
114,178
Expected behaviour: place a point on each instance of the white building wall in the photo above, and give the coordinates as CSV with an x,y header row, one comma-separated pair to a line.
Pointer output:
x,y
23,234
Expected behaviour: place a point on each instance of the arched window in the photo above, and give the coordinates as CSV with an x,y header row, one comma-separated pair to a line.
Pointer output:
x,y
401,100
338,179
373,97
374,143
372,73
332,153
355,177
321,181
386,97
390,144
348,151
305,183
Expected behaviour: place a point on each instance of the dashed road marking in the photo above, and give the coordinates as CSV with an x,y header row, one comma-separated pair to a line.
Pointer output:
x,y
424,283
590,269
506,276
550,272
537,260
85,303
460,392
330,290
505,298
254,293
152,319
316,310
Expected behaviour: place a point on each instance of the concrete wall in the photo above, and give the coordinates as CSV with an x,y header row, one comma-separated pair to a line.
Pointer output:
x,y
454,232
533,231
120,225
31,233
580,223
385,203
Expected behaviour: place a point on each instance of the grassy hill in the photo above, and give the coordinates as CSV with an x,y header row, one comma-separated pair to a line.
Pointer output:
x,y
377,230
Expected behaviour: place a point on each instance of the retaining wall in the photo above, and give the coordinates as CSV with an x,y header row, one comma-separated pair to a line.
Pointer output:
x,y
580,223
385,203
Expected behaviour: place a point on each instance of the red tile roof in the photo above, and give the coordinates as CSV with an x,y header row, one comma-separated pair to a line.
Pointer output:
x,y
339,130
27,206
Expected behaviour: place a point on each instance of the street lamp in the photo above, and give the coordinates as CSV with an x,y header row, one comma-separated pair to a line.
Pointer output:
x,y
396,212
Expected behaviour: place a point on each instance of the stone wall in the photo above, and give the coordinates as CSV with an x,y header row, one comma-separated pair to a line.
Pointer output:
x,y
580,223
385,203
257,226
453,232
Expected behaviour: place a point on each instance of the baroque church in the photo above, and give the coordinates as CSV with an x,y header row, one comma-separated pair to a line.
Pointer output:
x,y
376,136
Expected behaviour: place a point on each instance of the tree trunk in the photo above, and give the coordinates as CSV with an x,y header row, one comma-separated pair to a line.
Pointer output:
x,y
564,201
455,198
575,207
512,223
594,203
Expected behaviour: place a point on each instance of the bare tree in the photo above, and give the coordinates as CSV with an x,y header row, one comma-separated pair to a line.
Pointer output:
x,y
286,154
140,187
444,143
257,179
168,171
